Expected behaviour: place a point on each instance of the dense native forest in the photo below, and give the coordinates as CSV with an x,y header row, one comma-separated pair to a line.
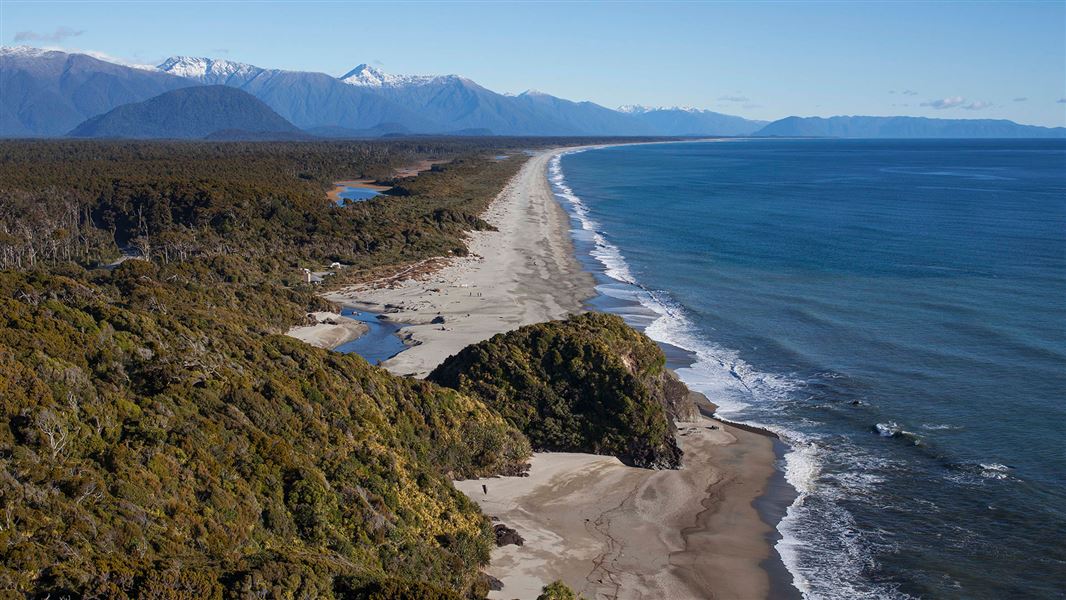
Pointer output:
x,y
589,383
161,439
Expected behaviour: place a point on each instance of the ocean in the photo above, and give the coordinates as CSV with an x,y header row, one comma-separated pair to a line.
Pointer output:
x,y
894,310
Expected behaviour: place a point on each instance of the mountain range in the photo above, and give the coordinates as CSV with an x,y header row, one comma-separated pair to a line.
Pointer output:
x,y
49,93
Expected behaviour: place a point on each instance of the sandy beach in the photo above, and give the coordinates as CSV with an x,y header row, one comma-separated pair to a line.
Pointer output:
x,y
329,331
525,272
607,530
612,531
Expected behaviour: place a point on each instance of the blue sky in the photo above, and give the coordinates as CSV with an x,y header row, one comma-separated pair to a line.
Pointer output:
x,y
757,59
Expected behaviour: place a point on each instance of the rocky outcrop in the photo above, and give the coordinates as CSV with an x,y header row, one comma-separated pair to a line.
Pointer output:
x,y
506,536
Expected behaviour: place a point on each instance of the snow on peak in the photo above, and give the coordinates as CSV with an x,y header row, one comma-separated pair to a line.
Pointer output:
x,y
24,51
206,69
368,76
638,109
34,52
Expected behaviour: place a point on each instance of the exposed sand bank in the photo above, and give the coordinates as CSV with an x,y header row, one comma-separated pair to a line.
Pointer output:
x,y
525,272
612,531
330,331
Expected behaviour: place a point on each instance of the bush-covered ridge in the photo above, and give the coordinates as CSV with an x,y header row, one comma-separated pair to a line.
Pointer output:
x,y
588,383
159,439
150,443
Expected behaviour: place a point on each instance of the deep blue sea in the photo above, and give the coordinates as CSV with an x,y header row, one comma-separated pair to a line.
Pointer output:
x,y
895,310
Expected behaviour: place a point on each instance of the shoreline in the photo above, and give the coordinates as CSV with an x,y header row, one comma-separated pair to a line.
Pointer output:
x,y
692,532
612,531
523,273
773,504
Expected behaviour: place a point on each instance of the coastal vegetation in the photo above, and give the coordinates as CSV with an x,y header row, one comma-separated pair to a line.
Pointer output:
x,y
160,438
89,202
589,383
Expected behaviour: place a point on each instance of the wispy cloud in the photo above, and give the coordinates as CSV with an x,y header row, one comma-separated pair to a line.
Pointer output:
x,y
909,93
1021,99
734,99
1061,101
220,50
957,102
60,34
949,102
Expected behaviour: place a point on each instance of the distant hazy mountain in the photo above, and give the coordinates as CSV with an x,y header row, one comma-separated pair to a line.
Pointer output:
x,y
457,103
581,118
308,100
46,93
684,121
217,111
905,127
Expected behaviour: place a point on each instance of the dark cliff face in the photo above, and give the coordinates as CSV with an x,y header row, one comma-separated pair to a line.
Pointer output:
x,y
588,383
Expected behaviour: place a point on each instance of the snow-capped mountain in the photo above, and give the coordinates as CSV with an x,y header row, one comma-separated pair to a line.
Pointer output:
x,y
458,103
639,109
209,70
24,51
367,76
365,99
309,100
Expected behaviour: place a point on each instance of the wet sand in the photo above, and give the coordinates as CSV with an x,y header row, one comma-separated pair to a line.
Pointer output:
x,y
612,531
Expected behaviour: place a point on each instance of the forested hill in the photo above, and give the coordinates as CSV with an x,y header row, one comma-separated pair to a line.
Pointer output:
x,y
159,439
191,113
588,383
